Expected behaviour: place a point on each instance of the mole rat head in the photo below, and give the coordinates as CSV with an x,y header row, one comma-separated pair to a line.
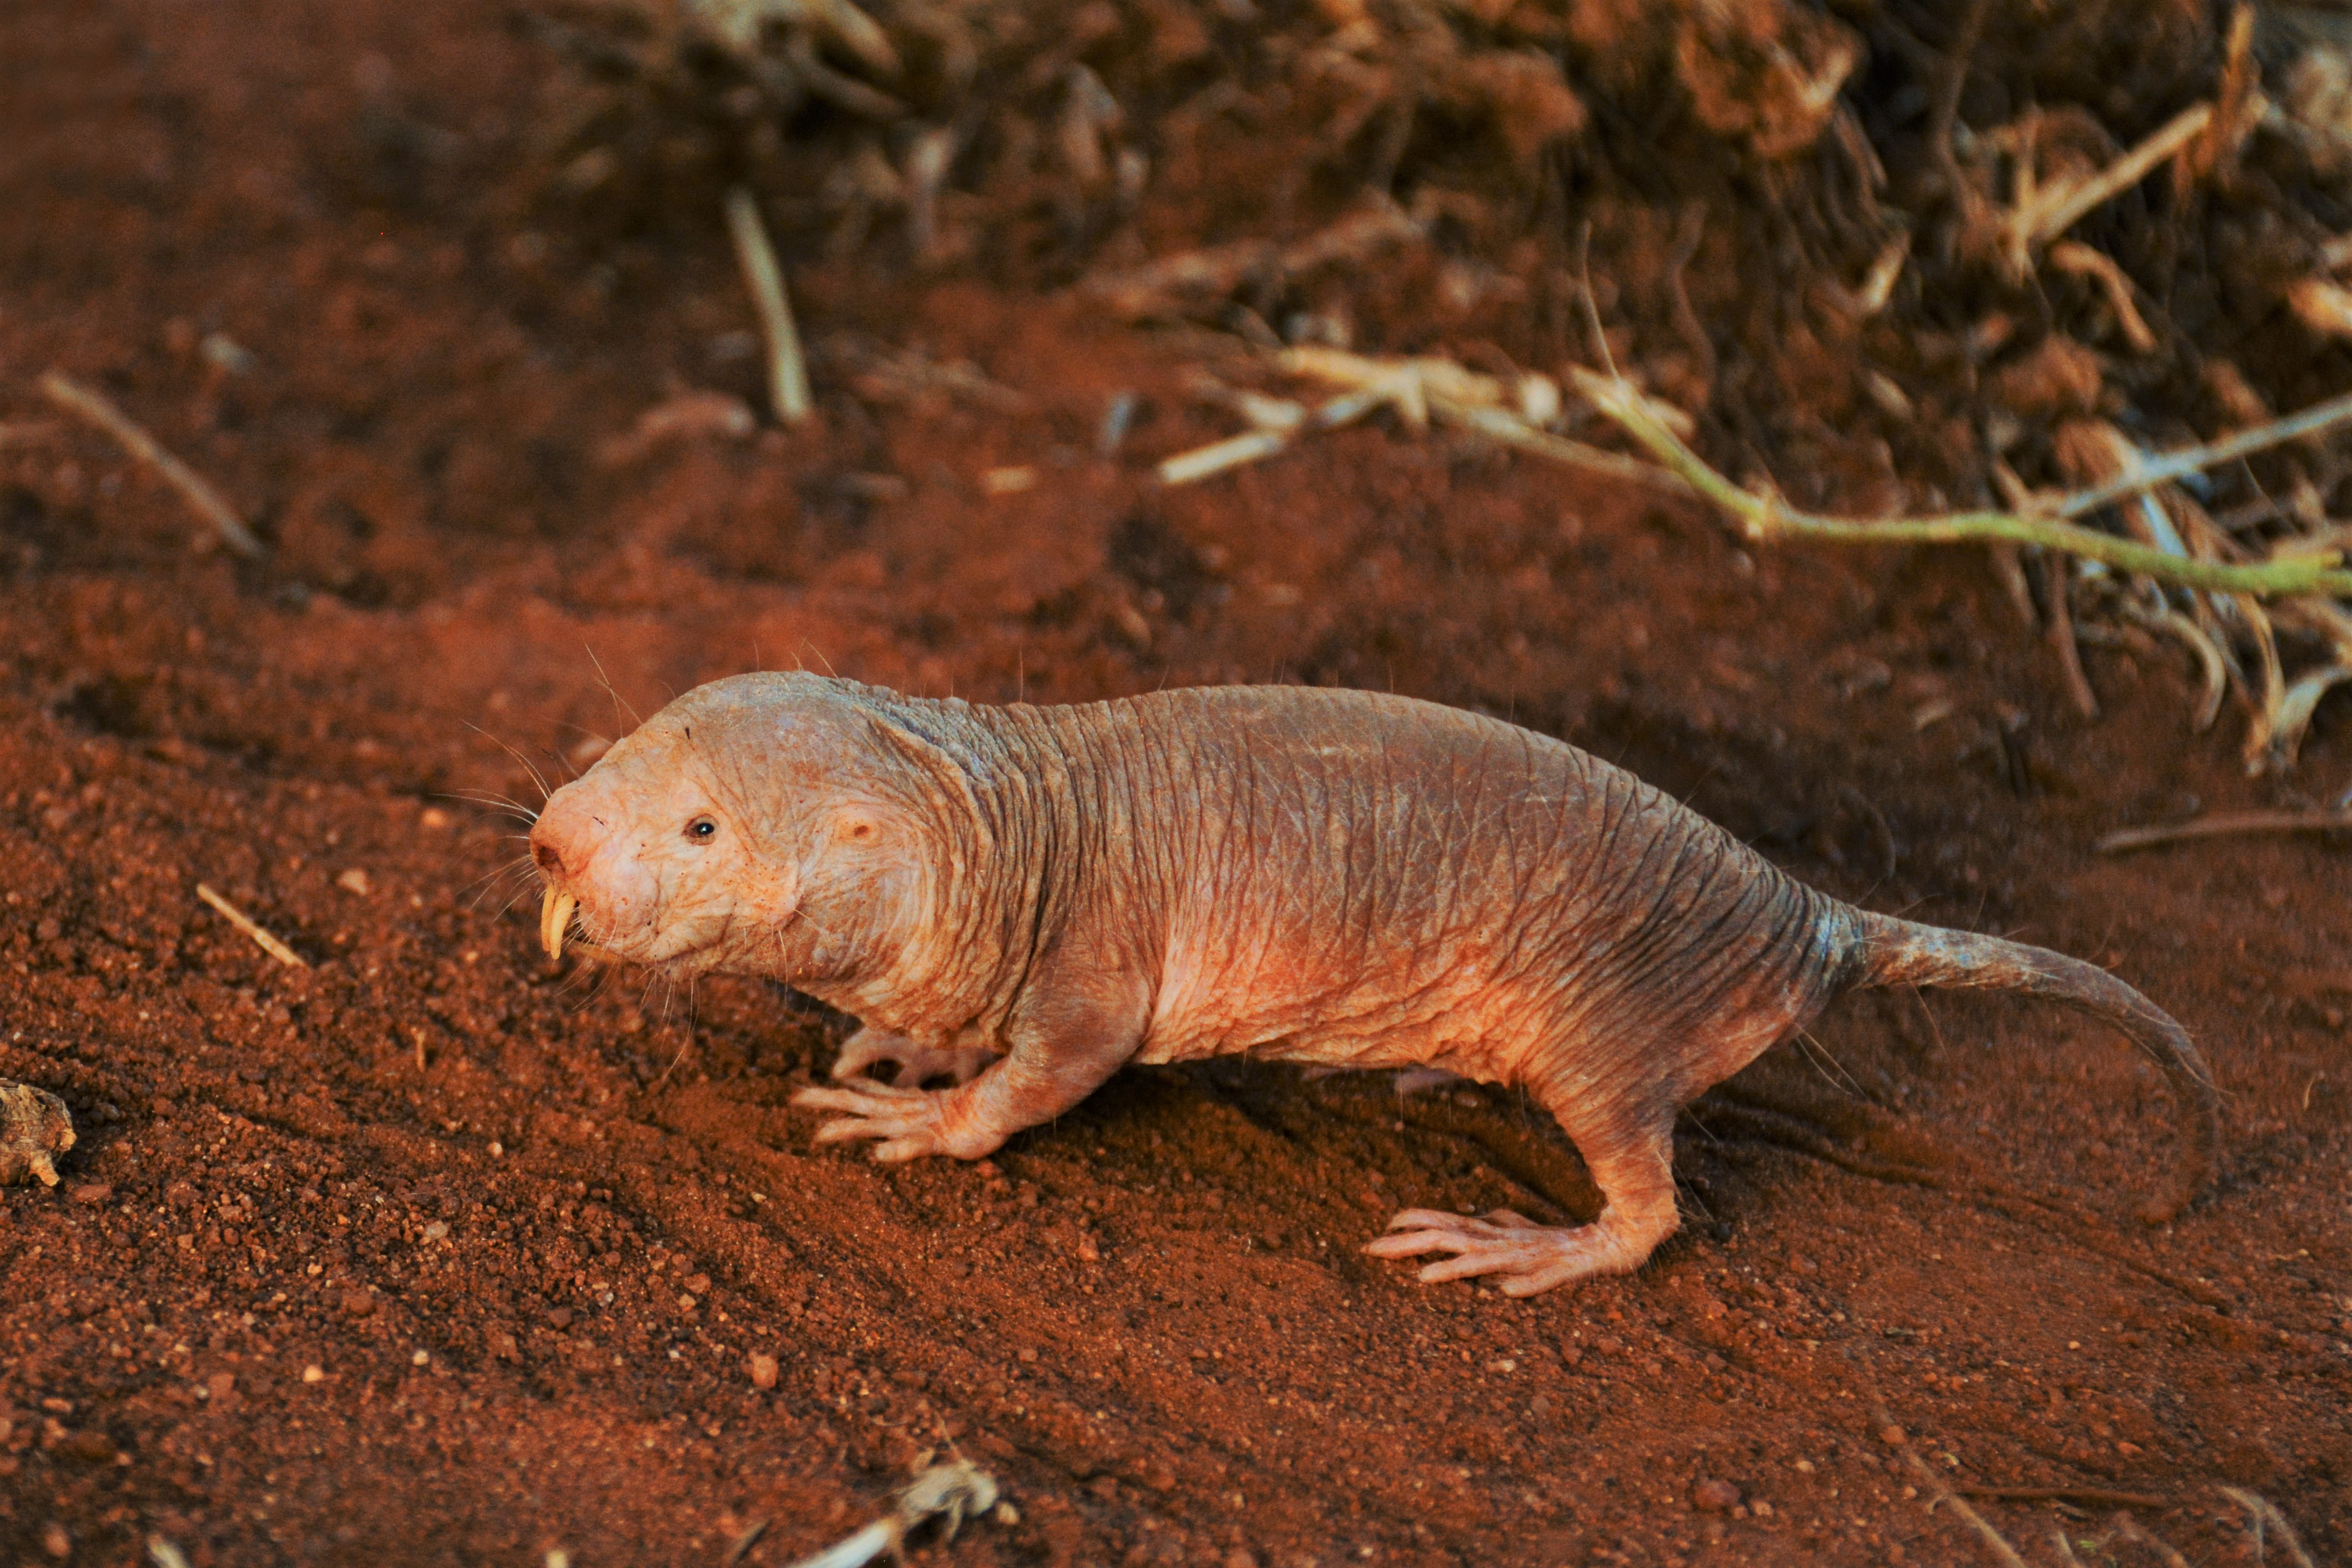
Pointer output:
x,y
696,842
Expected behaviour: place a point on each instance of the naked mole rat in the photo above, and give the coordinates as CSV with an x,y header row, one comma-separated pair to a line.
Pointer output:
x,y
1291,873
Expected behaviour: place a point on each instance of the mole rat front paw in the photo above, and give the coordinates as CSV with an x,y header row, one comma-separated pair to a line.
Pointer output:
x,y
918,1065
908,1123
33,1130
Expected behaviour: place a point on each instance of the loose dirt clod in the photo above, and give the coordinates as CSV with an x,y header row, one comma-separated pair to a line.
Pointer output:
x,y
35,1129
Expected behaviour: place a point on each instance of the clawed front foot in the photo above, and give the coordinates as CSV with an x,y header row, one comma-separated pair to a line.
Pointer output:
x,y
35,1129
917,1064
1530,1258
908,1123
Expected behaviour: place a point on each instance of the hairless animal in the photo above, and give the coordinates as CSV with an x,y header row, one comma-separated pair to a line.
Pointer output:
x,y
1027,898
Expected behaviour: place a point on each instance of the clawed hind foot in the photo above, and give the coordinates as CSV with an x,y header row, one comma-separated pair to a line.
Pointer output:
x,y
917,1064
1526,1258
35,1129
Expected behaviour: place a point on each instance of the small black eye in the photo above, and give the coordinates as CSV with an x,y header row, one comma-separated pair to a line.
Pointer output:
x,y
701,827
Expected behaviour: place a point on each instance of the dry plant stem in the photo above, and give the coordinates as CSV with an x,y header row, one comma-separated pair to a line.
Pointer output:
x,y
1201,462
93,405
2072,255
243,923
2269,1522
787,369
1164,285
2058,207
1766,518
954,1492
2063,1494
1940,1492
2226,823
2215,670
1955,83
1506,429
2061,632
2171,466
2131,1529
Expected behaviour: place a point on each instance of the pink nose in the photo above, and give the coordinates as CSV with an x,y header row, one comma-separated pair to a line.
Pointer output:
x,y
557,843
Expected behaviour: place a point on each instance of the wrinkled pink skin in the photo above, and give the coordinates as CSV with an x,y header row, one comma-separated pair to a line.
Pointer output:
x,y
1337,878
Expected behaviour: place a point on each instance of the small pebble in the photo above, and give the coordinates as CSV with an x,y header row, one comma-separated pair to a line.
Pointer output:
x,y
422,1358
436,1231
359,1303
57,1542
559,1317
764,1371
91,1193
314,1372
700,1284
354,882
1715,1496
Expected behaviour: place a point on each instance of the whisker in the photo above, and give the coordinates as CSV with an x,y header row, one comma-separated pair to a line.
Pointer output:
x,y
619,704
536,776
488,886
683,1047
485,798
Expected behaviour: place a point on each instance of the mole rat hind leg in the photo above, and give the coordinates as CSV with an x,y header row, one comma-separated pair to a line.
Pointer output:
x,y
1066,1040
917,1064
1630,1151
35,1129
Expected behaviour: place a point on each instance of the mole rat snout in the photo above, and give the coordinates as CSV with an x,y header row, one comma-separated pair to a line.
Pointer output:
x,y
564,839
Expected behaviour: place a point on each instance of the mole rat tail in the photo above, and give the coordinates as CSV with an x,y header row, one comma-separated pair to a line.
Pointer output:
x,y
1895,952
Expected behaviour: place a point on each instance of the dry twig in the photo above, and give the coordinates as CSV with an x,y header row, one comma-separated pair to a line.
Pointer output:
x,y
1164,286
2056,208
2225,823
787,369
2170,465
245,922
93,405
